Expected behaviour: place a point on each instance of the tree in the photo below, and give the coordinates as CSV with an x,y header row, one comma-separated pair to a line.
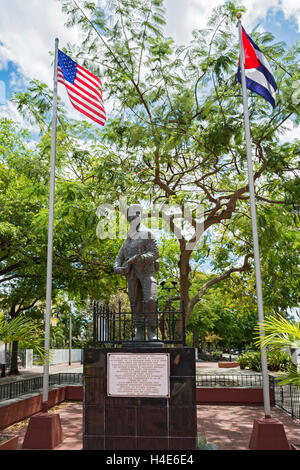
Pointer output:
x,y
160,143
79,318
225,312
21,329
81,263
164,98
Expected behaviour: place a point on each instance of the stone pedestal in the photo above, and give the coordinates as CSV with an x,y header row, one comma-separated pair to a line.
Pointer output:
x,y
44,432
268,434
140,423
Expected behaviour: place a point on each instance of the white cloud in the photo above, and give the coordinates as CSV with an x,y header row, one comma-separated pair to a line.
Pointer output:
x,y
4,57
9,111
36,23
185,16
291,9
292,132
28,30
16,80
27,44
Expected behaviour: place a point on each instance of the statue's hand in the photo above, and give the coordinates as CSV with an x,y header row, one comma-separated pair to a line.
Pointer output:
x,y
123,270
135,259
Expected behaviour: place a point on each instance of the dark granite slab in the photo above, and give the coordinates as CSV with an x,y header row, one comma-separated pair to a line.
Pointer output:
x,y
127,423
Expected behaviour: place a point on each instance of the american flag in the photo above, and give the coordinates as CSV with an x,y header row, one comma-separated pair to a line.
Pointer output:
x,y
84,88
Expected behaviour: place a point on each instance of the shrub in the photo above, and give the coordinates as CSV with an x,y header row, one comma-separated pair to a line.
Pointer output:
x,y
254,362
277,360
217,354
243,361
281,333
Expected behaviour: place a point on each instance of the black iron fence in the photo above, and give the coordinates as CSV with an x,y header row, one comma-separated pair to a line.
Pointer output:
x,y
115,325
11,390
287,397
228,380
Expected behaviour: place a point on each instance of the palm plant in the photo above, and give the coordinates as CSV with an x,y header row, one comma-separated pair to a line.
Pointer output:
x,y
22,329
57,337
281,333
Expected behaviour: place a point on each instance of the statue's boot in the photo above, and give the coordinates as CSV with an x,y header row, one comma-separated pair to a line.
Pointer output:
x,y
152,335
151,320
139,336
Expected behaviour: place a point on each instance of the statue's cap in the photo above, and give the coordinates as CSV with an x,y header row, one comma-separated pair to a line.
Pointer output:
x,y
134,209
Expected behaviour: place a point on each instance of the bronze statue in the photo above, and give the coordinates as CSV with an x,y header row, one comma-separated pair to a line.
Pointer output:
x,y
138,261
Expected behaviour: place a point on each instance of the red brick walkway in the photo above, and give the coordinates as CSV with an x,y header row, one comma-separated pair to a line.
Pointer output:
x,y
228,427
71,422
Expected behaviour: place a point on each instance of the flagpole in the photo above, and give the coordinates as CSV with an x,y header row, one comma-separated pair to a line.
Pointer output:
x,y
265,376
50,236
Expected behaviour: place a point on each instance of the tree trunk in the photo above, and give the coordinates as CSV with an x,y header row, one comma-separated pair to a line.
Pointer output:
x,y
14,359
184,273
196,339
14,351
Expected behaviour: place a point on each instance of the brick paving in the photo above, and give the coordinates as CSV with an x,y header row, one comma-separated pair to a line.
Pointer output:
x,y
230,427
71,422
226,427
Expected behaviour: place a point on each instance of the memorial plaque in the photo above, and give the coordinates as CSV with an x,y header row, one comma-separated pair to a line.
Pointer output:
x,y
138,375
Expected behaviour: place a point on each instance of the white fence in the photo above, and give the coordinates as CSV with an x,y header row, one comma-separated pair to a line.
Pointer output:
x,y
60,356
25,357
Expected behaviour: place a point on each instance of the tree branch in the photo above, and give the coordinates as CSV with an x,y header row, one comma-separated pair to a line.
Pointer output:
x,y
221,277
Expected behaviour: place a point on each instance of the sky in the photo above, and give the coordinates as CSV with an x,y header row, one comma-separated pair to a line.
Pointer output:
x,y
29,27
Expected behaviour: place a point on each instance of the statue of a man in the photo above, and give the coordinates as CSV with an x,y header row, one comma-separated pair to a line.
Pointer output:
x,y
138,261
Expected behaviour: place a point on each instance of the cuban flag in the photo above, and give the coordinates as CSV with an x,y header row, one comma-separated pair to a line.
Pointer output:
x,y
259,77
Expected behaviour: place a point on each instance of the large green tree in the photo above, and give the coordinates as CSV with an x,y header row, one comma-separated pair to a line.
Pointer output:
x,y
177,114
81,262
174,135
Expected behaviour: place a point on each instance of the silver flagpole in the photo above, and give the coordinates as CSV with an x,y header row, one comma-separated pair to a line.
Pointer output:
x,y
265,377
50,237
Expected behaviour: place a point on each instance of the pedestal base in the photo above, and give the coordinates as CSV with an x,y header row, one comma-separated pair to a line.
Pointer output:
x,y
44,432
145,422
268,434
142,344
